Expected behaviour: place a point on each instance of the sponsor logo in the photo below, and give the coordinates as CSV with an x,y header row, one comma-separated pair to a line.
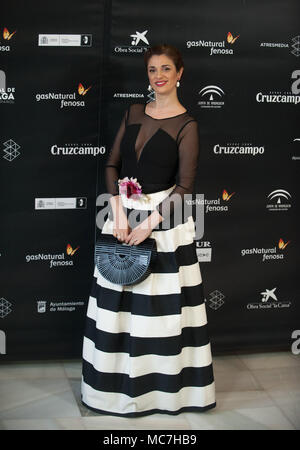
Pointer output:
x,y
274,44
7,94
213,205
66,100
203,250
128,95
139,37
238,149
216,300
151,96
216,47
5,307
77,150
277,97
269,300
283,97
295,45
211,97
41,306
11,150
139,44
61,203
267,254
54,260
7,36
278,200
58,306
64,40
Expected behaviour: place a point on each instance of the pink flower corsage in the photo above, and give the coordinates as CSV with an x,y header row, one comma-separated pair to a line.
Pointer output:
x,y
131,188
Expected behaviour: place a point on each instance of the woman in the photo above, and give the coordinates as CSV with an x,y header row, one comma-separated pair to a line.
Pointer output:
x,y
146,348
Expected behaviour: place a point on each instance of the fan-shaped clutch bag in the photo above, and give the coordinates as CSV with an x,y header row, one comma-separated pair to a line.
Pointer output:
x,y
123,263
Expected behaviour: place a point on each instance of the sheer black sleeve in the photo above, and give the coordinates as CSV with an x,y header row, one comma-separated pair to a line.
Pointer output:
x,y
188,150
114,161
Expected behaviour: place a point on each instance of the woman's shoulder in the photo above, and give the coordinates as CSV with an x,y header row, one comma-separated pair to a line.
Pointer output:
x,y
135,110
135,107
188,119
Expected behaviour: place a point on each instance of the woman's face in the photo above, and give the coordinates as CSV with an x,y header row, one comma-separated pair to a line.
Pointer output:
x,y
162,74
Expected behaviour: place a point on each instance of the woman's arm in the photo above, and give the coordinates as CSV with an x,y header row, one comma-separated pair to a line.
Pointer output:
x,y
112,172
188,150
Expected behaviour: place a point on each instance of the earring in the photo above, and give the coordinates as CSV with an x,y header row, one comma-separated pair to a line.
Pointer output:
x,y
150,88
178,84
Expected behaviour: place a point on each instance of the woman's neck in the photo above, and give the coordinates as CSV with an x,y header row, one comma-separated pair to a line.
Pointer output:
x,y
166,102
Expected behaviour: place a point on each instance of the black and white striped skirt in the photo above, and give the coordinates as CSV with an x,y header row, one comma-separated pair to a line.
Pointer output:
x,y
146,347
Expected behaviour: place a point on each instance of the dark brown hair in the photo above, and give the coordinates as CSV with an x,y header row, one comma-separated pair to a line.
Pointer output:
x,y
164,49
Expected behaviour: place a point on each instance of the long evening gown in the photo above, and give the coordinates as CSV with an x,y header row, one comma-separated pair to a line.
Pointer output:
x,y
146,347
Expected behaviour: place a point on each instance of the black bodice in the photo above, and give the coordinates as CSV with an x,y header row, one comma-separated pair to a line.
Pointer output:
x,y
158,152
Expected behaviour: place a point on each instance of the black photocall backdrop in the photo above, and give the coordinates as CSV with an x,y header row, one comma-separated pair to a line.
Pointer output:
x,y
70,70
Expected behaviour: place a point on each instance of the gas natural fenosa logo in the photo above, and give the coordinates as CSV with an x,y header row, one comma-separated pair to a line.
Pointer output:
x,y
267,254
213,205
216,47
66,100
55,260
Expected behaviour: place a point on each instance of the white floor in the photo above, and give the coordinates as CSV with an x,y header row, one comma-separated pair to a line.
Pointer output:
x,y
255,391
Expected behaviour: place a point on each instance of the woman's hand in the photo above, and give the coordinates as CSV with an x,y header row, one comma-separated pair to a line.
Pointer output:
x,y
121,228
138,234
142,231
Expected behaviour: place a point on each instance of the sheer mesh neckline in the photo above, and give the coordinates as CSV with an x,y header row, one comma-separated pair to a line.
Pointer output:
x,y
164,118
158,152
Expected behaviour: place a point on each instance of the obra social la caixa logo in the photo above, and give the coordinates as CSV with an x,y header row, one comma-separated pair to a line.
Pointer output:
x,y
270,299
66,99
63,259
139,44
